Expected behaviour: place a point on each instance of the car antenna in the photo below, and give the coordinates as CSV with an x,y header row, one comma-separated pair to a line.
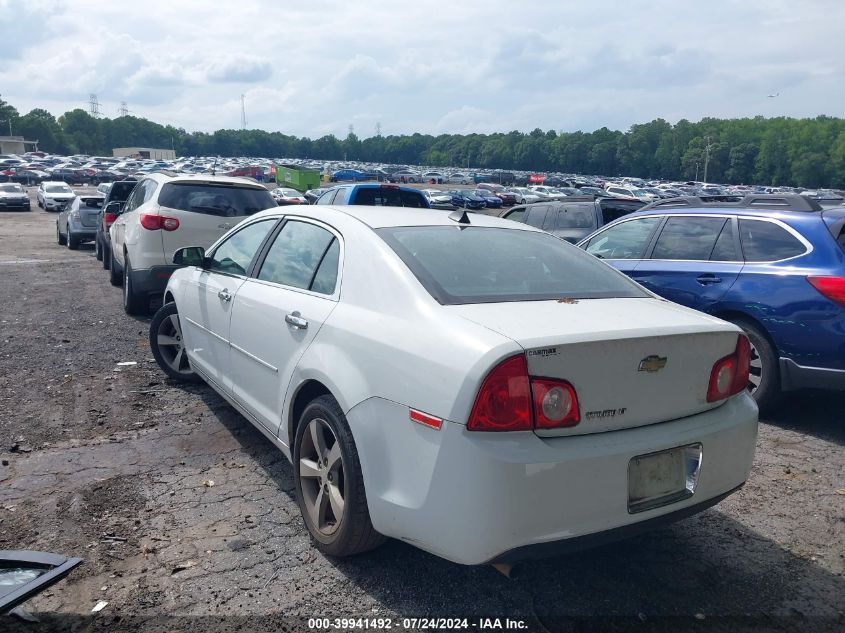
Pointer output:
x,y
459,216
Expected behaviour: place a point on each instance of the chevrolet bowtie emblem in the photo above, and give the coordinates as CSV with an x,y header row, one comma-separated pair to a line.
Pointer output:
x,y
652,363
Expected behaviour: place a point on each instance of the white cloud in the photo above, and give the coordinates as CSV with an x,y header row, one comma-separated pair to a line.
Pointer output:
x,y
314,68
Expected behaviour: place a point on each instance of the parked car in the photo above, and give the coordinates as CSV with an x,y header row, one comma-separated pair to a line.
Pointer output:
x,y
13,196
164,213
380,195
450,388
406,175
312,194
459,178
53,196
507,198
524,195
467,199
286,195
438,199
354,175
103,188
631,192
491,200
70,176
28,177
77,222
572,218
118,193
772,264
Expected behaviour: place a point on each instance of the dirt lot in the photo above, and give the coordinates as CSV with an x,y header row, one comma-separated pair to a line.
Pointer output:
x,y
115,464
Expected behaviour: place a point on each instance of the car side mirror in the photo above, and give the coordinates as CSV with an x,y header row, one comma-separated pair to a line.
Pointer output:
x,y
190,256
115,207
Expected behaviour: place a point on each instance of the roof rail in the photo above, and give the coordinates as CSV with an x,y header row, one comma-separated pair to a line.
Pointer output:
x,y
781,201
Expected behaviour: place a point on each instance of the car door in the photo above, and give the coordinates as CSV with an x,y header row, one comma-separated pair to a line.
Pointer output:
x,y
278,311
206,306
117,231
694,261
623,244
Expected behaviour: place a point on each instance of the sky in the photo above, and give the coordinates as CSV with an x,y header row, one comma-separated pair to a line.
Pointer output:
x,y
314,68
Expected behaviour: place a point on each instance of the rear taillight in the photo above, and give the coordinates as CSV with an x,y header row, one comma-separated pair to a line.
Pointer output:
x,y
831,287
75,215
155,222
510,400
109,218
729,375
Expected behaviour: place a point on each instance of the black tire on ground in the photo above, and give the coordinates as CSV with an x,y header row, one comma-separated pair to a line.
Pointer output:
x,y
767,394
165,355
98,249
106,256
72,240
61,240
115,274
38,202
134,303
355,532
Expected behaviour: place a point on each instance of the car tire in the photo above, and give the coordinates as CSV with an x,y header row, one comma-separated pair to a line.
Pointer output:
x,y
167,345
60,239
38,202
134,304
72,241
339,473
106,256
764,382
115,274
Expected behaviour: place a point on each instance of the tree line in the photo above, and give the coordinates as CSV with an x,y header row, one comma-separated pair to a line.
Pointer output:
x,y
770,151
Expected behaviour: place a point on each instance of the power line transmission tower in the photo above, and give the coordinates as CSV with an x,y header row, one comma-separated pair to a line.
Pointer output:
x,y
93,105
378,128
123,110
243,112
351,129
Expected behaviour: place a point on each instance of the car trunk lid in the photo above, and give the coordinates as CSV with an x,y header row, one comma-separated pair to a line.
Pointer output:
x,y
632,362
89,210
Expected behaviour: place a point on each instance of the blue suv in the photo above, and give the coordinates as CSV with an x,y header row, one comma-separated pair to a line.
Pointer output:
x,y
375,195
772,264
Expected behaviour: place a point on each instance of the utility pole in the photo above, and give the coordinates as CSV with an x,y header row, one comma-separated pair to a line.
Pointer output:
x,y
243,112
123,110
707,148
93,105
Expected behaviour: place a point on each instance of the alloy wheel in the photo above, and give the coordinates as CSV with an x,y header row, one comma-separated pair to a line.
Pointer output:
x,y
171,346
755,374
322,476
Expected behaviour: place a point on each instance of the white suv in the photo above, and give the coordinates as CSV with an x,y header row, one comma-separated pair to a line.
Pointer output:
x,y
54,195
165,212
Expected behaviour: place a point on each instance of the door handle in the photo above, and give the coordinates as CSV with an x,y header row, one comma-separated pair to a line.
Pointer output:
x,y
708,279
224,295
296,321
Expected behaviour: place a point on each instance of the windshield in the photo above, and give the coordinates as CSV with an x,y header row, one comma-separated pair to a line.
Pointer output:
x,y
459,265
223,200
11,188
59,189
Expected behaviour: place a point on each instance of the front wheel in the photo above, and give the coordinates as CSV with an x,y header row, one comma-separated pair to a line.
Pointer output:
x,y
168,346
764,375
328,482
134,303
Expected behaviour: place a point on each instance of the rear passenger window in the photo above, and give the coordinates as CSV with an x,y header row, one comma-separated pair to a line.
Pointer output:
x,y
536,215
627,240
517,215
295,256
764,241
326,277
725,249
688,238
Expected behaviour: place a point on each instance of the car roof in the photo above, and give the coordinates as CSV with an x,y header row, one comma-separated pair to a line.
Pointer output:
x,y
378,217
203,178
779,214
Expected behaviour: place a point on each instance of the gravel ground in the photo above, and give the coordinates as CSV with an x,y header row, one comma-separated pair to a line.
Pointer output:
x,y
186,518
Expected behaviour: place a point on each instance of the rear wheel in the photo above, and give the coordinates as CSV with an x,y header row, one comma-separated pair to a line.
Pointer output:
x,y
98,250
168,346
72,240
328,482
764,377
60,239
106,255
134,303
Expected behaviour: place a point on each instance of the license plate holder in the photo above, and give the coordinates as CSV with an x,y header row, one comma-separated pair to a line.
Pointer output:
x,y
663,477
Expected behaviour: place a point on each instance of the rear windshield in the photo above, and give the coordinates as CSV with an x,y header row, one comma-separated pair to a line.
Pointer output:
x,y
386,197
223,200
459,265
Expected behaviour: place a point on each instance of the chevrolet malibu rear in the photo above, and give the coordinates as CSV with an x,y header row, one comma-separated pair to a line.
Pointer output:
x,y
482,391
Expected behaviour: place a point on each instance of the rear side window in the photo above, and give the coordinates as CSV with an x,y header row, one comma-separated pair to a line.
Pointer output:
x,y
725,248
764,241
388,197
580,216
536,215
517,215
297,255
688,238
215,199
627,240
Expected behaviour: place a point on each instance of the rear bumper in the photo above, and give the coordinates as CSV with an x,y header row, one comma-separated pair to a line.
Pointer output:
x,y
795,376
480,497
152,280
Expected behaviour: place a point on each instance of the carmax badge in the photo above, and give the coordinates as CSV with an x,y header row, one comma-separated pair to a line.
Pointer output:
x,y
652,363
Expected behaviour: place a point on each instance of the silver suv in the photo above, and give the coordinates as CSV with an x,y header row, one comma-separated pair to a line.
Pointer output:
x,y
165,212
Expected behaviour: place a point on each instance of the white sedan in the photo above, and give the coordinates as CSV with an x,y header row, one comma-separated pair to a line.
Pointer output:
x,y
472,386
524,195
286,195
